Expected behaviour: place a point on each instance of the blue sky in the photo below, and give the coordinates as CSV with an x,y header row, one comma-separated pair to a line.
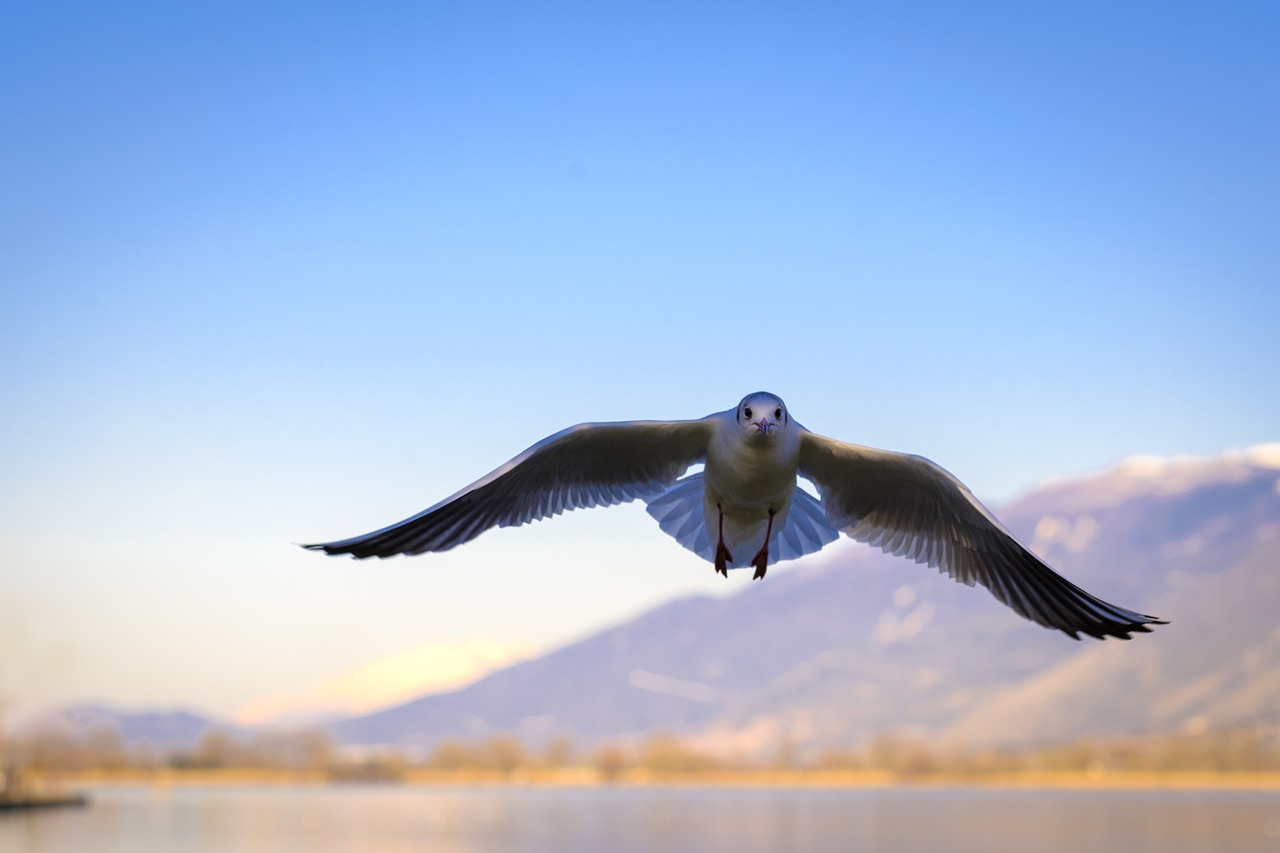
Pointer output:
x,y
287,274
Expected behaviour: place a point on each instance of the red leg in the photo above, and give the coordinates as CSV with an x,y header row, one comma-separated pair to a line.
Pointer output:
x,y
723,557
761,559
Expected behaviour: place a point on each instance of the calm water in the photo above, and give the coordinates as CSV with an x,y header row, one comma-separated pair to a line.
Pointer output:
x,y
392,819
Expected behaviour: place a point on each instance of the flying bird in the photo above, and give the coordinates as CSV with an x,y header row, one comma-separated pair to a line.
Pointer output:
x,y
743,509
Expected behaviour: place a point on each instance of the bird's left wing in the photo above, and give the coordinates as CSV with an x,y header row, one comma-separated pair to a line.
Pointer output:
x,y
910,507
583,466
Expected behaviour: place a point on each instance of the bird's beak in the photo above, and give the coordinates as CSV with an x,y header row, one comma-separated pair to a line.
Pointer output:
x,y
763,425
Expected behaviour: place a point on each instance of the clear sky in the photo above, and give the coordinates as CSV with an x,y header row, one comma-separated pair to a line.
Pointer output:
x,y
287,274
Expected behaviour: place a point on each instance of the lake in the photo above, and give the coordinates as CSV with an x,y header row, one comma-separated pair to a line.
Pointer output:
x,y
391,819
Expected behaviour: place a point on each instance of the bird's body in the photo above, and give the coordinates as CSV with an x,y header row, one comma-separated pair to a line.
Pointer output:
x,y
745,508
749,483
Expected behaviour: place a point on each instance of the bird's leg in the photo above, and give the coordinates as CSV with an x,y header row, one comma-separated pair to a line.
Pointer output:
x,y
761,559
723,557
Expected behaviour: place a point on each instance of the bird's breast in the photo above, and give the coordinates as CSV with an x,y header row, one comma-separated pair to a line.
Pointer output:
x,y
747,477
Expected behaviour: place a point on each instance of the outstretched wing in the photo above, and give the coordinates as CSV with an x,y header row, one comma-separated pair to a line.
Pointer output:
x,y
583,466
910,507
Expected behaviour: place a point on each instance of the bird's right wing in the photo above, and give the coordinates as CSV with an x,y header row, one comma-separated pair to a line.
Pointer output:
x,y
583,466
911,507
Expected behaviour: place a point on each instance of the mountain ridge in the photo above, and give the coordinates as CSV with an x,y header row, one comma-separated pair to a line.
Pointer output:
x,y
850,643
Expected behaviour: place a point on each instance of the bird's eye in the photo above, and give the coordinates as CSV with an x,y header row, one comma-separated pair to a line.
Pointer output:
x,y
777,413
747,412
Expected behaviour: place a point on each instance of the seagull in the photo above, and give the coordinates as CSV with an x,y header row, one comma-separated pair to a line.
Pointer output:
x,y
744,509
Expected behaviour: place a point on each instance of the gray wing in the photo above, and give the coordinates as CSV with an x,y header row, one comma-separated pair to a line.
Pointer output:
x,y
910,507
583,466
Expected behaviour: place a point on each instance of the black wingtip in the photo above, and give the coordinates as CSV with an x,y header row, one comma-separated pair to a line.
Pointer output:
x,y
343,549
1125,632
326,548
1149,620
319,546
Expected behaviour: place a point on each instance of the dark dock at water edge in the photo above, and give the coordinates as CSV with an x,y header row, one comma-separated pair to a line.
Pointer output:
x,y
16,794
16,801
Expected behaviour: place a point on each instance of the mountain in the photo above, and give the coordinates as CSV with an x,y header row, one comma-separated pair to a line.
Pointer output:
x,y
852,643
164,729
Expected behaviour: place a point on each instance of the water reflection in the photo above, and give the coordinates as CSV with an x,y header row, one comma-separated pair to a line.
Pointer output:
x,y
399,820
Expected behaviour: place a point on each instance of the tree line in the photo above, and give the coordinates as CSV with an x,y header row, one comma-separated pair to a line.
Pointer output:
x,y
657,757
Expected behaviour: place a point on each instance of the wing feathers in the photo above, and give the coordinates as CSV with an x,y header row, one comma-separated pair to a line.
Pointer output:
x,y
904,505
584,466
910,507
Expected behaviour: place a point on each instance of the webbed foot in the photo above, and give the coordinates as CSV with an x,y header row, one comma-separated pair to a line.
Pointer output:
x,y
723,559
761,562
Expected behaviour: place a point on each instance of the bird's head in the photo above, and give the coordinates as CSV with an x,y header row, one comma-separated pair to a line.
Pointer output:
x,y
762,416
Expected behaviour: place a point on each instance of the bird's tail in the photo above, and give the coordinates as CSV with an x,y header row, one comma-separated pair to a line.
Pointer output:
x,y
681,513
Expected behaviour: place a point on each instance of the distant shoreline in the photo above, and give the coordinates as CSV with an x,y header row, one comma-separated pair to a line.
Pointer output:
x,y
586,777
